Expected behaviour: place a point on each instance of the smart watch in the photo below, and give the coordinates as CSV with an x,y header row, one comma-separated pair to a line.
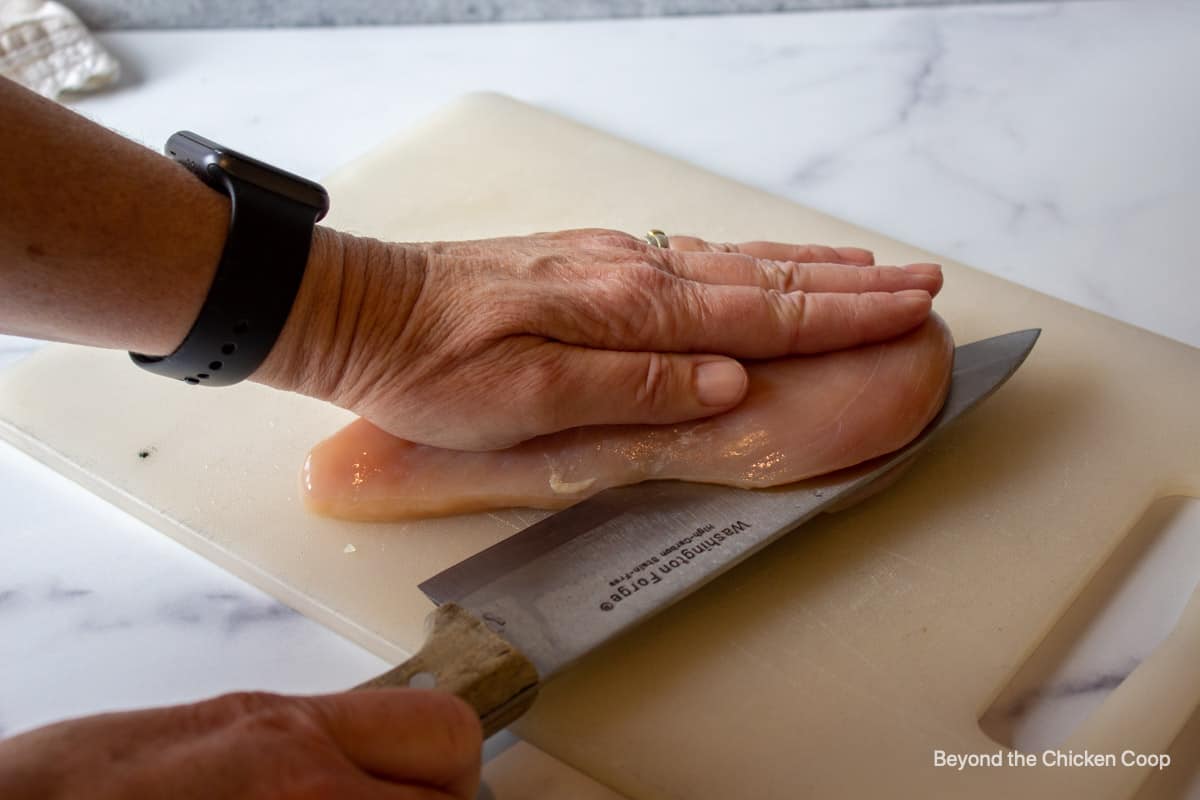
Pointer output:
x,y
272,215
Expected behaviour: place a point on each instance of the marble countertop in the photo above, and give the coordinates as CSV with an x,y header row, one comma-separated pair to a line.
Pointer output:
x,y
1051,144
110,14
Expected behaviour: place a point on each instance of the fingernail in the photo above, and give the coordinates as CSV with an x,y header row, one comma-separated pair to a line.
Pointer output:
x,y
719,383
856,254
915,297
924,269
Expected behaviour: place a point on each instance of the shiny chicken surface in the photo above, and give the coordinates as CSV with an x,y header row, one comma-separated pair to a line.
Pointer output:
x,y
802,417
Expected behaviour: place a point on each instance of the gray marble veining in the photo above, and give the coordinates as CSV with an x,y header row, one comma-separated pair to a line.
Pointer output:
x,y
115,14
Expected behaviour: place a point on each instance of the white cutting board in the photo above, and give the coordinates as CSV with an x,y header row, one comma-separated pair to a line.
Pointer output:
x,y
831,665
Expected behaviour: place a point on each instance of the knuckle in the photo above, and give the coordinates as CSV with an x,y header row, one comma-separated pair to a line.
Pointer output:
x,y
630,294
609,263
237,705
694,305
801,308
568,233
648,283
790,308
596,237
547,266
284,736
778,303
629,308
656,382
673,262
619,239
257,716
263,711
782,276
575,233
285,721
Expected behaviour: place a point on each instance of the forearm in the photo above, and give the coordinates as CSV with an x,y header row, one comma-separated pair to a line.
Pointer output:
x,y
22,775
107,243
102,241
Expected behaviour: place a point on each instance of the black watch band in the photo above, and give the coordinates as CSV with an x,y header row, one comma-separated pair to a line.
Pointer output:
x,y
272,215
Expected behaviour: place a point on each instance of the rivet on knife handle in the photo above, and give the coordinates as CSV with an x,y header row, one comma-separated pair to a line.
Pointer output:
x,y
460,655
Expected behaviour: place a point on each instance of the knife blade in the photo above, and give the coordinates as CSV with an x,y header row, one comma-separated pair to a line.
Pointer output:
x,y
519,612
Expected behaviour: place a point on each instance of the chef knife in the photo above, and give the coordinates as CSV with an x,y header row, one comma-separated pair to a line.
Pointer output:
x,y
512,616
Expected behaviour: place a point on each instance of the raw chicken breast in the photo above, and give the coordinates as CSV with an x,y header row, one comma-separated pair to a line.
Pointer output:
x,y
801,417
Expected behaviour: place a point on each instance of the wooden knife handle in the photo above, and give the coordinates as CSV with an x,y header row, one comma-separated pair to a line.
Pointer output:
x,y
462,656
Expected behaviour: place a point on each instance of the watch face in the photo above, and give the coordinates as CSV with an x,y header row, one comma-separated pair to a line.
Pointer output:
x,y
207,160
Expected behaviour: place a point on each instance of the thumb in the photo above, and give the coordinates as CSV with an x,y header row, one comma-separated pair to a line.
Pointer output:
x,y
407,736
606,387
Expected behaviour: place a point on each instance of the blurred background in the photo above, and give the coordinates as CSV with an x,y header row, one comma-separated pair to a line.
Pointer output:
x,y
113,14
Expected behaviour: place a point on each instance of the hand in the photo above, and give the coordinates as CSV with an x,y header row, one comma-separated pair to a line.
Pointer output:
x,y
383,744
480,345
469,345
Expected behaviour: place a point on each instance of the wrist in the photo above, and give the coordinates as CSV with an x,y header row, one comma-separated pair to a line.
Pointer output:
x,y
316,353
294,363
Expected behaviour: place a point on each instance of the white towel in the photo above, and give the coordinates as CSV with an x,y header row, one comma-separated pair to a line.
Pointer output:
x,y
45,47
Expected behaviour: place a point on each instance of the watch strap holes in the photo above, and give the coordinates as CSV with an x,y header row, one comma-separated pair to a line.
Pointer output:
x,y
252,291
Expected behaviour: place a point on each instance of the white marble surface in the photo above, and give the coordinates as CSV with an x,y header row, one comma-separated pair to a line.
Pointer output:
x,y
116,14
1054,145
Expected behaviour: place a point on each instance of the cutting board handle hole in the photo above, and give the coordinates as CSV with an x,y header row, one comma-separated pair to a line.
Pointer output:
x,y
1121,616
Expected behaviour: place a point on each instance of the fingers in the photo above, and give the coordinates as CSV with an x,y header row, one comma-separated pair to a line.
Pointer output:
x,y
734,269
778,251
652,311
581,386
418,737
751,323
826,298
775,251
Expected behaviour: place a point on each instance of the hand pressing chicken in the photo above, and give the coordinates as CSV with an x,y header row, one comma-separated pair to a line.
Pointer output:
x,y
801,417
